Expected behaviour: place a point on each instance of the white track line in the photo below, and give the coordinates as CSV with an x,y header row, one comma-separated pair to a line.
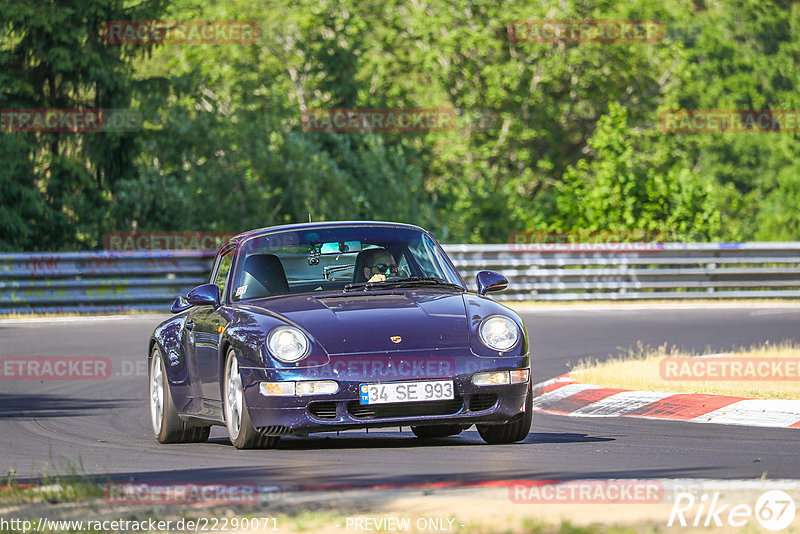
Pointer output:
x,y
777,413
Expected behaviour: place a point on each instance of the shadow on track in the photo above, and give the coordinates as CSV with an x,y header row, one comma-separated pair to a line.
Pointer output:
x,y
28,406
406,440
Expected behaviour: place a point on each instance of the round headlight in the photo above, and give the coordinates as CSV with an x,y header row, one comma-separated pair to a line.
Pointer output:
x,y
499,332
288,344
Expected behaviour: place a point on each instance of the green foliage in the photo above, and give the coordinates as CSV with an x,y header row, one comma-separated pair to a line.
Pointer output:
x,y
631,183
56,185
551,136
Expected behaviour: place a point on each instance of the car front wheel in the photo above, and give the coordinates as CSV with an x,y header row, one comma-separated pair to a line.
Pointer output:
x,y
167,426
515,430
237,420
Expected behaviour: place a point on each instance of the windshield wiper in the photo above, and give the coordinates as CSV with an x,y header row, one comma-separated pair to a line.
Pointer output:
x,y
412,281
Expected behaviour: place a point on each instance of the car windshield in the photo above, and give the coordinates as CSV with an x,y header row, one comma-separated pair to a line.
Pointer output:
x,y
340,259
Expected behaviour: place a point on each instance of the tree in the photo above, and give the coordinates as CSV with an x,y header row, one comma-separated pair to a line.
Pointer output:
x,y
53,56
626,183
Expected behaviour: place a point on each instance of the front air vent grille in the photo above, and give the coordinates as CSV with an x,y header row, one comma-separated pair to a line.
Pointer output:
x,y
275,430
404,409
482,401
323,410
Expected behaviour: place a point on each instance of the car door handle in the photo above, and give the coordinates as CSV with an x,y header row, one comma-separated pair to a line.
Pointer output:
x,y
190,325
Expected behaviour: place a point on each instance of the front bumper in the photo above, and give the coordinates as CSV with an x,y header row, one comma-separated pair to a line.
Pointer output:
x,y
277,415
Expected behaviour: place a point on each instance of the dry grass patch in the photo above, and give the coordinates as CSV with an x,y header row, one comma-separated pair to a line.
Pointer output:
x,y
644,368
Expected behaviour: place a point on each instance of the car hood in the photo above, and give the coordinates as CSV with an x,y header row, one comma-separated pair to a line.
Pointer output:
x,y
379,321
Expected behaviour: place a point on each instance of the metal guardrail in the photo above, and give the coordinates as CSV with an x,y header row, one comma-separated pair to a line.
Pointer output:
x,y
637,270
115,281
104,281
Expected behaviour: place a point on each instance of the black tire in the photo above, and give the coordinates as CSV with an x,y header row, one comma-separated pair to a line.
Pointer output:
x,y
436,431
515,430
170,428
237,420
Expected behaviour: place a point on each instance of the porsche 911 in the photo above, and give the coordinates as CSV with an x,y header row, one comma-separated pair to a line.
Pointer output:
x,y
334,326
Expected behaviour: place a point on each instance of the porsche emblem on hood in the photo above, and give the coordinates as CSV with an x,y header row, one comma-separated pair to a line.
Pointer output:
x,y
396,339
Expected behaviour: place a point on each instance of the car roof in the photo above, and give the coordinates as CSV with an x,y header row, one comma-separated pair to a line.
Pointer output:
x,y
310,226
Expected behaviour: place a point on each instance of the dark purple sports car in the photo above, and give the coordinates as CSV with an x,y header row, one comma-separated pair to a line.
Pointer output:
x,y
335,326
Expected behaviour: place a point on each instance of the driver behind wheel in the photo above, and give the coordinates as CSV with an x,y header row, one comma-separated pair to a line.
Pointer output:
x,y
378,265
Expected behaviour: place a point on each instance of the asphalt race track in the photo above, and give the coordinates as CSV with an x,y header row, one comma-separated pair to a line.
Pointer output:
x,y
102,427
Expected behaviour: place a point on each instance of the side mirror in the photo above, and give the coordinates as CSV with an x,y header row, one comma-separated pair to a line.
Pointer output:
x,y
206,294
489,281
179,305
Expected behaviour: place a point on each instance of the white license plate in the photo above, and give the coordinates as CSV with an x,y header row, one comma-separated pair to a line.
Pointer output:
x,y
406,392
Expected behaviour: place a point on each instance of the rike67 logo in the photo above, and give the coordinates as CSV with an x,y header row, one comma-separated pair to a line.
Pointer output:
x,y
774,510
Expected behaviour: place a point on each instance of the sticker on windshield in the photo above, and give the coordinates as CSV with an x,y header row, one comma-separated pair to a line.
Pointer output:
x,y
241,290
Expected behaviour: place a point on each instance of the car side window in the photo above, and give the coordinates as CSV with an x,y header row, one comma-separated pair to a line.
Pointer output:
x,y
422,257
403,269
427,257
223,268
